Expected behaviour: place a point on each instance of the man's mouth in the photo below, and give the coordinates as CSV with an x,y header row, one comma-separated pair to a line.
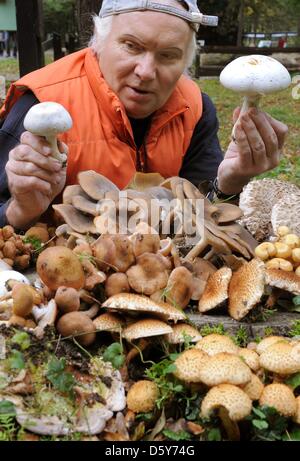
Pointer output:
x,y
139,90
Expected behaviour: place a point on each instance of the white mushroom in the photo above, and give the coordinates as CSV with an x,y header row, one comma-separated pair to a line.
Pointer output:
x,y
48,119
254,76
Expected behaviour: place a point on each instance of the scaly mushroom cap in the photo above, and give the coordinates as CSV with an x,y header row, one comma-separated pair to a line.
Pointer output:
x,y
216,290
142,396
254,388
265,343
287,213
179,288
280,397
234,399
246,288
95,185
287,281
224,368
183,331
279,358
146,328
188,365
148,275
132,302
214,344
109,322
297,414
257,200
250,357
59,266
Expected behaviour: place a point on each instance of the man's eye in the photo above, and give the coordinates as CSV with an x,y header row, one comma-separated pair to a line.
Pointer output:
x,y
168,56
131,46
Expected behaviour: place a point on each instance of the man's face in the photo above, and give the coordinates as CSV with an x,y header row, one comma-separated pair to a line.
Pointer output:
x,y
143,57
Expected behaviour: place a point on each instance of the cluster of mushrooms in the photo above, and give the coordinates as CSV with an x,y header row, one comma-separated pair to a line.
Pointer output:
x,y
232,378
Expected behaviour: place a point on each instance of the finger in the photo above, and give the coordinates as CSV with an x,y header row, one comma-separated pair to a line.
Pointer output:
x,y
24,153
62,147
30,169
281,129
37,143
266,131
255,141
19,185
242,146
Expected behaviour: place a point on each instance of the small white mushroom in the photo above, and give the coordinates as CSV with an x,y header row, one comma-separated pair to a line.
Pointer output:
x,y
254,76
48,119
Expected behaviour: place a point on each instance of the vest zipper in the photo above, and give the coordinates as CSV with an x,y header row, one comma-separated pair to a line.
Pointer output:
x,y
141,158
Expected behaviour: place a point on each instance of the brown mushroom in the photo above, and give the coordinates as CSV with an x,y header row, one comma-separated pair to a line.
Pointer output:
x,y
22,300
216,290
95,185
78,325
146,328
59,266
148,275
67,299
75,219
142,396
179,287
116,283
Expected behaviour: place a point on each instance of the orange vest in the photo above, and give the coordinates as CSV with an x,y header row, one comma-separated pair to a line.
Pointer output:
x,y
101,138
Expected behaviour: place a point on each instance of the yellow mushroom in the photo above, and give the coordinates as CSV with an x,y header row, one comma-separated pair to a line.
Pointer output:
x,y
282,231
265,251
296,255
280,263
292,240
282,250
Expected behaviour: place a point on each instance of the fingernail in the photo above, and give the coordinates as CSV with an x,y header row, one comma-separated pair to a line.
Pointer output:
x,y
47,150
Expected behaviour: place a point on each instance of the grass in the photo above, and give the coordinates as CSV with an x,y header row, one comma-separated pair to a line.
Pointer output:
x,y
281,106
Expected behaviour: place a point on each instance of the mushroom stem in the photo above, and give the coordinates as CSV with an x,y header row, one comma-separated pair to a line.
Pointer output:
x,y
52,140
136,350
248,102
231,427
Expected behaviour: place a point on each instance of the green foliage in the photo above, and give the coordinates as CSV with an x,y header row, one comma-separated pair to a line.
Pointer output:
x,y
59,16
114,354
177,436
214,435
241,337
15,360
293,381
7,421
295,329
58,377
267,424
210,329
22,339
35,242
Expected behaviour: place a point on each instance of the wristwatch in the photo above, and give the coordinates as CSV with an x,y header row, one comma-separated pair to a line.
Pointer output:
x,y
221,194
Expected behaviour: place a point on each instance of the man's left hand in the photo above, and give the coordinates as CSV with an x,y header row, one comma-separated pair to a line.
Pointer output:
x,y
257,146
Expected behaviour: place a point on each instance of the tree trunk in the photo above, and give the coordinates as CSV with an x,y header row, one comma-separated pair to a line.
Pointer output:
x,y
241,20
85,10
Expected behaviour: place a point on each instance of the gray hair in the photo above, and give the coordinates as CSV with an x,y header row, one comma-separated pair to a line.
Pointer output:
x,y
102,28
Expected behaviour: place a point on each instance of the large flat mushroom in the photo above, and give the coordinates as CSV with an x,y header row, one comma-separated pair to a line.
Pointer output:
x,y
95,185
76,220
146,328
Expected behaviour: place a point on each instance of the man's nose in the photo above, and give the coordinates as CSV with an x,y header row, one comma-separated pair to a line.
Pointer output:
x,y
146,67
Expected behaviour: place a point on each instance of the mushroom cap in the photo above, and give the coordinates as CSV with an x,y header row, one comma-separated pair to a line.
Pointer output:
x,y
182,330
67,299
116,283
95,185
279,358
146,328
73,191
297,414
250,357
287,213
257,200
47,119
255,74
148,275
225,368
109,322
265,343
142,396
216,290
7,275
22,300
179,287
188,365
287,281
75,219
254,388
246,288
45,314
214,344
234,399
79,325
280,397
59,266
133,302
227,213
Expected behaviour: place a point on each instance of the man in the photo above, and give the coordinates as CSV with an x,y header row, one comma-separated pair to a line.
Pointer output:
x,y
132,109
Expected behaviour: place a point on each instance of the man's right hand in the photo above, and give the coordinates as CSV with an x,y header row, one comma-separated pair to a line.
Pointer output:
x,y
35,178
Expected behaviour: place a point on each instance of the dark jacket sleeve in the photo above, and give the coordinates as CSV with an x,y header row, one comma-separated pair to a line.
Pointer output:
x,y
204,153
10,133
